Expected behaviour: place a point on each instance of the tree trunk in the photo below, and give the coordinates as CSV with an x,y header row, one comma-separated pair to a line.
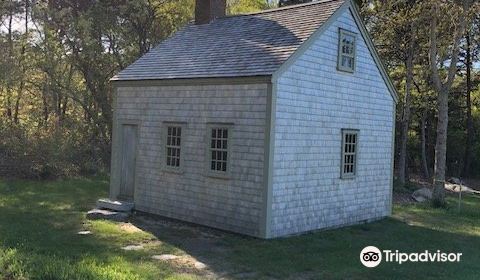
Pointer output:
x,y
23,67
402,161
443,89
470,132
441,148
426,172
10,64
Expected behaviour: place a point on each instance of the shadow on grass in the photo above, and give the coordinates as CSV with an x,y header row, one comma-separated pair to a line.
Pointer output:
x,y
332,254
39,224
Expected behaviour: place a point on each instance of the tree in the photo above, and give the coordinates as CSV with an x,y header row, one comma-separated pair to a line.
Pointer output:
x,y
469,54
442,88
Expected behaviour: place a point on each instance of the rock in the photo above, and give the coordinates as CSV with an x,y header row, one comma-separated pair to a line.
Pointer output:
x,y
101,214
165,257
455,181
119,206
422,194
200,265
457,188
84,232
133,247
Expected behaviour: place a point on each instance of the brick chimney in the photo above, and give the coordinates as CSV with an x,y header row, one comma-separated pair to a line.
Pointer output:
x,y
208,10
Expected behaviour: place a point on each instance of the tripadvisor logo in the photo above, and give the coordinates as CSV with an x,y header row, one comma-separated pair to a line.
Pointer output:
x,y
371,256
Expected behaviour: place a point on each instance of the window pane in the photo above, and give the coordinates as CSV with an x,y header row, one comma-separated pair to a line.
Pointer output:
x,y
346,51
173,145
349,153
219,151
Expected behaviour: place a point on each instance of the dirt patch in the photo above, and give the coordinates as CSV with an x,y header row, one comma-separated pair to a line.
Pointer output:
x,y
206,250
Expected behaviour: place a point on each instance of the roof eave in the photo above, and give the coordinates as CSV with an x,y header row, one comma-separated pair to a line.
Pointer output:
x,y
264,78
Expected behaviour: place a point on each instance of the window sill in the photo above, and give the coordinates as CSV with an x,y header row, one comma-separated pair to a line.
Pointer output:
x,y
345,70
215,175
172,170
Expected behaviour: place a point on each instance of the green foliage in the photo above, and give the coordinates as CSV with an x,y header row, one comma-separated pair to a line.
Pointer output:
x,y
391,24
55,95
49,153
248,6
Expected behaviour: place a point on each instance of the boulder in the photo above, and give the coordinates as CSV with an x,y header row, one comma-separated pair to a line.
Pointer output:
x,y
455,181
199,265
102,214
422,194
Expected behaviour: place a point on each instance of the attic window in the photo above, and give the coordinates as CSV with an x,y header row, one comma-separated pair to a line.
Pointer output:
x,y
346,51
349,153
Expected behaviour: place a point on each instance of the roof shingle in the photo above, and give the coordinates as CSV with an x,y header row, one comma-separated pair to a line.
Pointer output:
x,y
235,46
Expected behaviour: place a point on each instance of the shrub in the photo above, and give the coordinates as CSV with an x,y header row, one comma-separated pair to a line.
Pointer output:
x,y
49,153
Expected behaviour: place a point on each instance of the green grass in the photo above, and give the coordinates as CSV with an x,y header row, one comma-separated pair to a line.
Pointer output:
x,y
39,222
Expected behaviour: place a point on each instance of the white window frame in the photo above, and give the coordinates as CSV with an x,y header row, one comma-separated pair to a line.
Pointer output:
x,y
218,173
342,33
165,127
343,174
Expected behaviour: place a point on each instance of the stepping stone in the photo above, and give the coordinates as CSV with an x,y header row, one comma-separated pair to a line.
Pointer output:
x,y
200,265
84,232
133,247
119,206
165,257
101,214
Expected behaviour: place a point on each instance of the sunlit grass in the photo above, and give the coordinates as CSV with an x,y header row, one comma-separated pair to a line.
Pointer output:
x,y
39,223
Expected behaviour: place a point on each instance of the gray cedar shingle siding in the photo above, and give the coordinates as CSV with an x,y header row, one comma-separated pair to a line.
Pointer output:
x,y
235,204
243,45
314,103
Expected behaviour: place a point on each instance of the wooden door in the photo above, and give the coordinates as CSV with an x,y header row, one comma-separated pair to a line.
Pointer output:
x,y
128,158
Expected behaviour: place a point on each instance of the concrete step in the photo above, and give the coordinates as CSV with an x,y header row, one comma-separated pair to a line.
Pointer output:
x,y
120,206
102,214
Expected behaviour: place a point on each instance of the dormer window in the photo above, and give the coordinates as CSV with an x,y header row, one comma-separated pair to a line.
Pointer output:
x,y
346,51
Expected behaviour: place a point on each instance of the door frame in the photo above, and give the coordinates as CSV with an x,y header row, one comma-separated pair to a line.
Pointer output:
x,y
119,159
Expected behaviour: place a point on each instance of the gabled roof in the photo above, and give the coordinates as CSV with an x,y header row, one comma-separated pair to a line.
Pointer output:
x,y
234,46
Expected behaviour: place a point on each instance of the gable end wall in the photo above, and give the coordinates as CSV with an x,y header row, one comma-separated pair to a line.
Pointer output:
x,y
314,102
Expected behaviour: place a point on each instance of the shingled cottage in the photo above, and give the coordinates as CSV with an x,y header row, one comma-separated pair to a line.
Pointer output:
x,y
266,124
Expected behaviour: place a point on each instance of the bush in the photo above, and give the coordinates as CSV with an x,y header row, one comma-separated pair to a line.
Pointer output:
x,y
49,153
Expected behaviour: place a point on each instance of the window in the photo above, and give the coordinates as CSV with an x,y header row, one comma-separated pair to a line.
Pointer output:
x,y
346,51
219,149
349,153
173,146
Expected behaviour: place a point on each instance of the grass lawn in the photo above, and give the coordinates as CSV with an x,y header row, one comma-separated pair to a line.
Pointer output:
x,y
39,222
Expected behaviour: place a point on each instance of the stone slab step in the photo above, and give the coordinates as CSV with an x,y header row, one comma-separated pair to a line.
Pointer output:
x,y
102,214
121,206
